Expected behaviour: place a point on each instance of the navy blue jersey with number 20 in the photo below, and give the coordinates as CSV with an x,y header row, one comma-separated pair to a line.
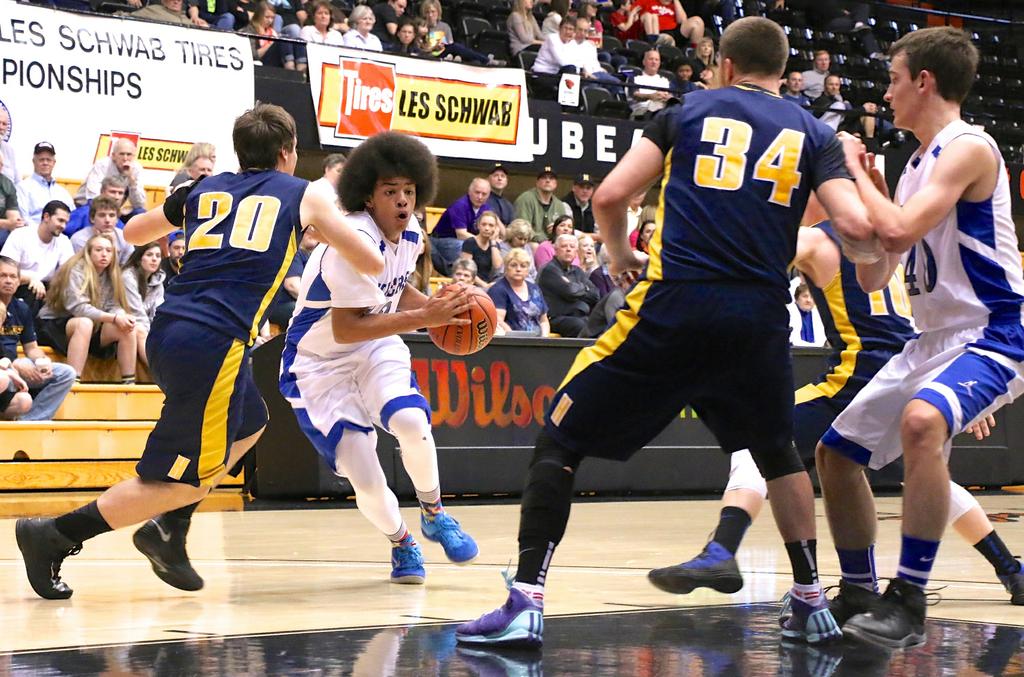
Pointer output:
x,y
241,233
740,163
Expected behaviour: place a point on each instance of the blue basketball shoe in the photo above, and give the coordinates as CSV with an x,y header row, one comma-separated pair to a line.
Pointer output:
x,y
715,568
407,563
803,622
519,622
459,547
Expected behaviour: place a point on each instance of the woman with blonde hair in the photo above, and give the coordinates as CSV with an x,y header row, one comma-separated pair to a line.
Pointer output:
x,y
588,253
519,302
200,161
523,30
482,248
707,59
440,41
85,309
519,234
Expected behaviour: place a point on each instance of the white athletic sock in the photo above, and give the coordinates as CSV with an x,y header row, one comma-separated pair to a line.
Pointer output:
x,y
810,594
534,592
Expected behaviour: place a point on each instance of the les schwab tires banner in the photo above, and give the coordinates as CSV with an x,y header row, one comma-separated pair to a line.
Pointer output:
x,y
80,81
458,111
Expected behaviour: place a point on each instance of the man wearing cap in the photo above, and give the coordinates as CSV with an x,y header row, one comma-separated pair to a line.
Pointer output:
x,y
539,206
171,264
498,178
457,223
579,202
40,188
120,162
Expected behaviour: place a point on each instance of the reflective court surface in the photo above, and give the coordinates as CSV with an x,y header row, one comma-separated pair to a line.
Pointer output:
x,y
305,591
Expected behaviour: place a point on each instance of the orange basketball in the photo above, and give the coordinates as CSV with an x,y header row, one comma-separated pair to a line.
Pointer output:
x,y
466,339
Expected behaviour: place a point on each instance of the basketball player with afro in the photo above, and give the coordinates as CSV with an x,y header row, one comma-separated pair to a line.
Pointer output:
x,y
345,370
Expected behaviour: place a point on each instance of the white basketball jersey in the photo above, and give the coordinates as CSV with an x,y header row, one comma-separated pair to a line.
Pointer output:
x,y
328,281
965,272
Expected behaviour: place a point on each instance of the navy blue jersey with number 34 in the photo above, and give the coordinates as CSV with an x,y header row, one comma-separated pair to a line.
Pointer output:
x,y
740,163
241,233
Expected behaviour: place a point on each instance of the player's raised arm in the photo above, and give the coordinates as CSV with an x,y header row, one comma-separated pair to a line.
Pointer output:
x,y
635,172
316,210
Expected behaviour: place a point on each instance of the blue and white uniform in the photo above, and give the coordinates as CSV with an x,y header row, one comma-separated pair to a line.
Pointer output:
x,y
966,289
337,386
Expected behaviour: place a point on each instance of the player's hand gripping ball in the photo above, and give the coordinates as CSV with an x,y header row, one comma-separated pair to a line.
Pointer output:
x,y
466,339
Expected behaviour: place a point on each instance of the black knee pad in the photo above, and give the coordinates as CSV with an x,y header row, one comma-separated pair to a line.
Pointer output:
x,y
547,496
550,452
776,463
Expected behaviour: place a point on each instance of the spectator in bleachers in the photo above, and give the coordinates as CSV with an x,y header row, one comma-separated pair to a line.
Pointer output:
x,y
215,13
518,300
684,83
842,17
523,30
793,90
14,397
539,206
641,237
85,310
568,291
814,79
360,36
39,251
10,216
634,211
440,41
558,53
832,100
587,253
587,60
103,221
457,224
39,189
483,250
707,62
647,102
200,161
464,271
407,41
143,280
578,201
667,17
9,164
120,162
171,264
387,14
588,10
265,49
558,11
48,382
112,187
518,235
626,21
166,11
806,328
328,183
602,315
498,178
600,276
319,27
545,251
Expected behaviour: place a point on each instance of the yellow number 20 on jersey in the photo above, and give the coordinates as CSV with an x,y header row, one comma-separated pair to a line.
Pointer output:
x,y
252,228
725,168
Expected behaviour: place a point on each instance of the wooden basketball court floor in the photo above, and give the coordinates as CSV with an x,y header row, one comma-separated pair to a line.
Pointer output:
x,y
303,589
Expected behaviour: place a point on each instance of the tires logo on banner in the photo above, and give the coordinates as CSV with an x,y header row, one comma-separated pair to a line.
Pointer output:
x,y
457,110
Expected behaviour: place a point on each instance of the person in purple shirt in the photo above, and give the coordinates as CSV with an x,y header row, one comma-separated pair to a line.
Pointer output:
x,y
457,224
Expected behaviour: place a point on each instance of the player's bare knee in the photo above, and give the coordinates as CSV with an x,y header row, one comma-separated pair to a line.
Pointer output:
x,y
923,429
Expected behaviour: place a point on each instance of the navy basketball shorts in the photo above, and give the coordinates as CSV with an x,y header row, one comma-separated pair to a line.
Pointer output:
x,y
721,348
210,402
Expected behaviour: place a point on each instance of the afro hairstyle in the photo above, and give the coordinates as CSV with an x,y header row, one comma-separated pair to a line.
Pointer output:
x,y
386,156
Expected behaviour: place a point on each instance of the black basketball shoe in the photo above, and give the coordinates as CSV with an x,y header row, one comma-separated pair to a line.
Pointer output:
x,y
44,549
895,621
1014,584
162,541
851,600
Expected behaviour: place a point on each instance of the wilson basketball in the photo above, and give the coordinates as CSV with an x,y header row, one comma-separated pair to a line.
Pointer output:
x,y
466,339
